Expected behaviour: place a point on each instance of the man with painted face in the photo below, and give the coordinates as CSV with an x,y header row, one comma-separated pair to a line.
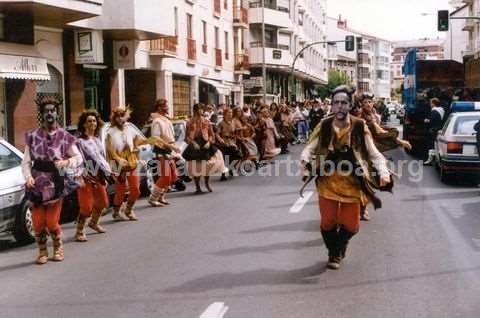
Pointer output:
x,y
345,160
48,152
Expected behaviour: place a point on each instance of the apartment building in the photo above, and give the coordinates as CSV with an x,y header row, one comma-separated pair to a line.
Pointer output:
x,y
290,25
472,55
428,49
372,57
456,44
32,59
338,58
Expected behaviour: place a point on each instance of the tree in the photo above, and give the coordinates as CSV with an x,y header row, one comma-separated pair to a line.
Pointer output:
x,y
335,78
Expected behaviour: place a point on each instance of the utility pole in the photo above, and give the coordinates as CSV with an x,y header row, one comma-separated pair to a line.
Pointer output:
x,y
264,68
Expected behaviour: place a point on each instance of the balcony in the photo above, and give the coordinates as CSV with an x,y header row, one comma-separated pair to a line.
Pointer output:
x,y
240,17
469,25
217,8
218,59
191,51
164,47
242,64
55,14
274,57
274,15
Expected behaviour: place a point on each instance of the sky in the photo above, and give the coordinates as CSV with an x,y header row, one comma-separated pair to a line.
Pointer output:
x,y
393,20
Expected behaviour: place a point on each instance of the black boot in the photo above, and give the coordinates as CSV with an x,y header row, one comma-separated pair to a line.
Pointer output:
x,y
344,237
331,242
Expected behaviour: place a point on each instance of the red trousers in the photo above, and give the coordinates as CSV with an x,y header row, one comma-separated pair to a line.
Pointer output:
x,y
92,197
334,213
120,188
47,217
167,172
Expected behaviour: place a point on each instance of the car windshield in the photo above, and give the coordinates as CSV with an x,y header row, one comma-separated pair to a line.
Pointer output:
x,y
464,125
8,159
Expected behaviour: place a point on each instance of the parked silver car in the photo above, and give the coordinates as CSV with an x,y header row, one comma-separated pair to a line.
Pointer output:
x,y
15,215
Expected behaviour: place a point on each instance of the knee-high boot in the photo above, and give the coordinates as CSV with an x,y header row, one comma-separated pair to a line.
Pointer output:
x,y
155,197
80,229
344,237
94,223
41,240
332,243
58,253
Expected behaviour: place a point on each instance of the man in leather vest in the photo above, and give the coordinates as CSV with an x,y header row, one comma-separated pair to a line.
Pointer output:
x,y
348,168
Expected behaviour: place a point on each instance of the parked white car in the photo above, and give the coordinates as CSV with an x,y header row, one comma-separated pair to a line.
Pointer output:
x,y
15,215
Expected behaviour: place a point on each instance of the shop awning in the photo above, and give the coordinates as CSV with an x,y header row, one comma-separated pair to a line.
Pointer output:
x,y
19,61
222,89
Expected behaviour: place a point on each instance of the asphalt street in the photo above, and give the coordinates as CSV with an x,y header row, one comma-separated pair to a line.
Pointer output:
x,y
250,246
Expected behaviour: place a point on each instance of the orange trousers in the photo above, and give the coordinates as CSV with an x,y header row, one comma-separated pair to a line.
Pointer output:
x,y
121,187
334,213
167,172
47,217
92,197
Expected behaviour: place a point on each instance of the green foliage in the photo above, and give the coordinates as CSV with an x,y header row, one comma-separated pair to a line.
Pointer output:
x,y
335,78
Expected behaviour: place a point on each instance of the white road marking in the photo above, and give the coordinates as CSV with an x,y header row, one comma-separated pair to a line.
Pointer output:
x,y
298,206
215,310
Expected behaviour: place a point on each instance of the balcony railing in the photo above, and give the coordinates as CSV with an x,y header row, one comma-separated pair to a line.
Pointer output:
x,y
218,57
217,8
258,4
241,62
192,49
270,45
164,46
240,15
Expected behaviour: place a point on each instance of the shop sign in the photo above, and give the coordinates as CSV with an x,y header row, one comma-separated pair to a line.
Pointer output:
x,y
124,54
88,47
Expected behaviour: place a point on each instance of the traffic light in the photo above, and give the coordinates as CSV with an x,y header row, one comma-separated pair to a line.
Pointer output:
x,y
443,20
349,43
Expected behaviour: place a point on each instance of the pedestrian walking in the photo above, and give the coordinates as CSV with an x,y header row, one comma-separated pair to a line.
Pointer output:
x,y
202,156
49,151
166,168
227,142
434,123
344,142
122,144
92,194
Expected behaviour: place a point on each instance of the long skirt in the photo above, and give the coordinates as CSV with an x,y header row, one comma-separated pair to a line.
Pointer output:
x,y
214,166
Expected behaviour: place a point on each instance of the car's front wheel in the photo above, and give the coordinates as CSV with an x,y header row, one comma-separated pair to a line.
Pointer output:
x,y
23,231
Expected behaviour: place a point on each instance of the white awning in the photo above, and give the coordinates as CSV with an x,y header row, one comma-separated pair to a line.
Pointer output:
x,y
222,89
19,61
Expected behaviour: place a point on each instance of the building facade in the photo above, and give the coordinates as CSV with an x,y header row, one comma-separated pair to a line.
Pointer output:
x,y
32,59
456,44
372,57
290,25
428,49
471,57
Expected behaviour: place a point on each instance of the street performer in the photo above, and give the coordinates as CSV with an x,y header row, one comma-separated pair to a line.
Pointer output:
x,y
162,127
344,144
122,142
49,152
92,195
385,138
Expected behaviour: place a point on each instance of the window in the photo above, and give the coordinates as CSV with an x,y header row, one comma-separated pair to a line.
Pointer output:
x,y
464,125
2,33
189,26
8,159
225,4
175,16
204,46
226,45
217,40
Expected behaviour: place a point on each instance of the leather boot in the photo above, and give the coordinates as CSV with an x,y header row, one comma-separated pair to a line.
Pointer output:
x,y
58,254
162,198
155,197
331,242
344,237
94,223
129,212
80,229
41,240
117,215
